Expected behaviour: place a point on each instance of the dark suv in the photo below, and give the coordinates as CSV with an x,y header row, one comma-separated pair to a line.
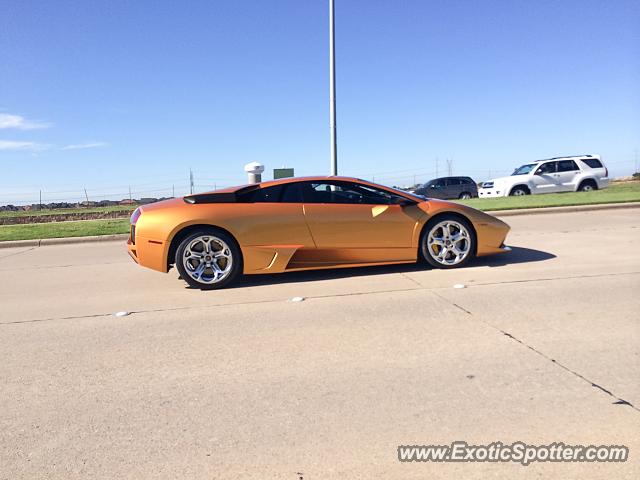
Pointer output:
x,y
449,187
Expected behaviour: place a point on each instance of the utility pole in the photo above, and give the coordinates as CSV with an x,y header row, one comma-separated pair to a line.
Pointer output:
x,y
191,181
332,89
40,199
173,191
129,192
450,165
86,195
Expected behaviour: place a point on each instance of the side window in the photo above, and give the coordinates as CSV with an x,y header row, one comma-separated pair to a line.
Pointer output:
x,y
346,193
453,182
567,166
291,193
262,195
440,183
592,162
467,181
549,167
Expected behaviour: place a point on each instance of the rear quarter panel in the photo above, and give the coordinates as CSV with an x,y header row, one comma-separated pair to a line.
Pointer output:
x,y
249,223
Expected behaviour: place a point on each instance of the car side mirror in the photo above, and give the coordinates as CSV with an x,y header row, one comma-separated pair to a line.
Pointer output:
x,y
405,202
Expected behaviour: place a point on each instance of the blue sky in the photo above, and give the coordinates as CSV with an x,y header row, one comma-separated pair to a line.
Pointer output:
x,y
107,94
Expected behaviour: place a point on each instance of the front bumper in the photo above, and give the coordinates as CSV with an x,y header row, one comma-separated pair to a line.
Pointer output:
x,y
491,192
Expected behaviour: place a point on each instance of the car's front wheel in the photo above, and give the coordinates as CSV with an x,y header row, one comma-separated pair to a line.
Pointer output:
x,y
208,259
448,242
519,192
465,196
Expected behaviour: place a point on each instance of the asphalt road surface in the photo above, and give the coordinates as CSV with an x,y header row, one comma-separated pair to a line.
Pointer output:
x,y
542,346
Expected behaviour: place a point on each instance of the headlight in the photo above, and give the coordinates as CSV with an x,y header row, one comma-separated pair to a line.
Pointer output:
x,y
487,185
135,215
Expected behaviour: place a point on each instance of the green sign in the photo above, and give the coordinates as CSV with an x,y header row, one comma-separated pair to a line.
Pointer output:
x,y
282,173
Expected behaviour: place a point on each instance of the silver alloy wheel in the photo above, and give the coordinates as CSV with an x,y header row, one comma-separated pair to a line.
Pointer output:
x,y
207,259
465,196
519,192
587,188
449,242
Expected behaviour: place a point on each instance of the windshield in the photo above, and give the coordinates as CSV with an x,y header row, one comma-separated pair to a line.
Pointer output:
x,y
524,169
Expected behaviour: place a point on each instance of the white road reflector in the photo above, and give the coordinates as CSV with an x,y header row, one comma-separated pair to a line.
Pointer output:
x,y
121,314
297,299
459,285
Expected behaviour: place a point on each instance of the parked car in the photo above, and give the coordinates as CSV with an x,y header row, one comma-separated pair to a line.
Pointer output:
x,y
306,223
581,173
447,188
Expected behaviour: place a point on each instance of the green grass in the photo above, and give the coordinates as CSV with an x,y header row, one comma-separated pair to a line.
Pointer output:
x,y
63,229
63,211
616,193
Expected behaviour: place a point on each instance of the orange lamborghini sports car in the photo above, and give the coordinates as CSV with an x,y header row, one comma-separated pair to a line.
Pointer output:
x,y
303,224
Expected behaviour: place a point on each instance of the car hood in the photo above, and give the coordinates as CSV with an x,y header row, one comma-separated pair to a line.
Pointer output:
x,y
509,179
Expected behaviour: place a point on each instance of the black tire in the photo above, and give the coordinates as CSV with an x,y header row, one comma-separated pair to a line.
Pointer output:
x,y
519,191
428,255
465,196
216,239
588,186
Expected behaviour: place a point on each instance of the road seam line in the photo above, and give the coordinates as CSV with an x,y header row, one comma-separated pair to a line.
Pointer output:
x,y
311,297
619,400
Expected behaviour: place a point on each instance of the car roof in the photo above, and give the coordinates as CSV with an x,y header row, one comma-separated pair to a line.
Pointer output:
x,y
282,181
572,157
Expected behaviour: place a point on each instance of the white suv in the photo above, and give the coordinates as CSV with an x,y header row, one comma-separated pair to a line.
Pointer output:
x,y
561,174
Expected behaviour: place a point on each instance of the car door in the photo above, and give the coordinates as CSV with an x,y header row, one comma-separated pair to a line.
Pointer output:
x,y
453,188
355,223
567,173
437,189
544,178
271,220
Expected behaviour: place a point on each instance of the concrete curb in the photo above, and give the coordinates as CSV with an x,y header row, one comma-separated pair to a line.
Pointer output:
x,y
569,209
498,213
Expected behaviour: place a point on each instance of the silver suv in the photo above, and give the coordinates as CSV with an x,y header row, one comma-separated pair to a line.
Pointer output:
x,y
581,173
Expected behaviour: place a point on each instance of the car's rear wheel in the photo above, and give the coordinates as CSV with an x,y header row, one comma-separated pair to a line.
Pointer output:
x,y
587,186
465,196
448,242
208,259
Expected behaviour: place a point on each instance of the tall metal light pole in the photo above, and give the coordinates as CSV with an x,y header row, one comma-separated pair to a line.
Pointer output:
x,y
332,89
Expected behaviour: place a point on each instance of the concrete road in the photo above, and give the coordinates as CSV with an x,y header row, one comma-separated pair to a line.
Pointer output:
x,y
542,346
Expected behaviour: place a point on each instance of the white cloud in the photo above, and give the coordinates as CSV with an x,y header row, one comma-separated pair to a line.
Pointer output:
x,y
82,146
11,145
20,123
